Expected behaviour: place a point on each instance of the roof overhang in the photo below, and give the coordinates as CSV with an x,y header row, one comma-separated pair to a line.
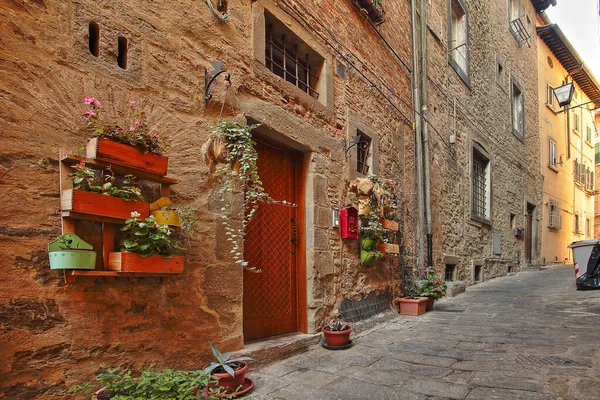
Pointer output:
x,y
541,5
560,46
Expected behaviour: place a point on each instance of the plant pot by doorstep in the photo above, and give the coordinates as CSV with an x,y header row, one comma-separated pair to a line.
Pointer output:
x,y
227,382
413,306
337,338
429,305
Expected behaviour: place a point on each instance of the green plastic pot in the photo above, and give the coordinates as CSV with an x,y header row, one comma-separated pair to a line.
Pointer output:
x,y
71,253
73,259
369,258
367,244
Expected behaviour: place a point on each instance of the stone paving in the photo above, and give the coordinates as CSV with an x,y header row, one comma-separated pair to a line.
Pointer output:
x,y
526,336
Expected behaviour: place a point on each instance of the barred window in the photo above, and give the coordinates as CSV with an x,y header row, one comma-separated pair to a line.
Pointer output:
x,y
290,58
364,152
480,190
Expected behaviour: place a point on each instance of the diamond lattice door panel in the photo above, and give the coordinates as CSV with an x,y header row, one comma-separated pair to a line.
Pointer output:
x,y
270,296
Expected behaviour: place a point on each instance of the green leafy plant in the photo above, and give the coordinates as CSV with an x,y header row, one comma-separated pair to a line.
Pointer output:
x,y
120,384
84,178
239,172
131,129
336,326
148,237
433,286
224,363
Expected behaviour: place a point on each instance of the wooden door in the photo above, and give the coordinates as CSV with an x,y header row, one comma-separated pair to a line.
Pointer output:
x,y
270,297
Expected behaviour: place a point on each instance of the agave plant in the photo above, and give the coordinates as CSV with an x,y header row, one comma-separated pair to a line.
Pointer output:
x,y
224,361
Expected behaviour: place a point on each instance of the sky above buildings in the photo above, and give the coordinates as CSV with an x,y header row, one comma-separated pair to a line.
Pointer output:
x,y
578,19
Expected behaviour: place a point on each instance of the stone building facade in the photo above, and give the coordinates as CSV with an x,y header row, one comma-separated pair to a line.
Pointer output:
x,y
486,186
567,146
55,53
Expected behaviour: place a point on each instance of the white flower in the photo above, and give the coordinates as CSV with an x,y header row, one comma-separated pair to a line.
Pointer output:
x,y
135,214
141,224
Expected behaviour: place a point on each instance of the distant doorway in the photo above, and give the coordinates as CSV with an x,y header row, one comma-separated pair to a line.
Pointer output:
x,y
529,243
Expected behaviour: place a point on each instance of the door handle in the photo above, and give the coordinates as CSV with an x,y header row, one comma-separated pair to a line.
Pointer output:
x,y
295,226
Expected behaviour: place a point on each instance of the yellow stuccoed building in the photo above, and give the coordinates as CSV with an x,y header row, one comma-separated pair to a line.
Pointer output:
x,y
567,138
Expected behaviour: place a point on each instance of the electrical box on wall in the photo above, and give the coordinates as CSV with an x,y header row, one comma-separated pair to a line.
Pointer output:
x,y
349,223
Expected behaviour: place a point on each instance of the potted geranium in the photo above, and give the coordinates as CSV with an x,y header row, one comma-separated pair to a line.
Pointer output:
x,y
128,141
337,334
147,246
90,196
432,287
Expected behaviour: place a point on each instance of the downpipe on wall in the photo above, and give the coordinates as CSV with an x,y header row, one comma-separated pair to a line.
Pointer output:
x,y
417,130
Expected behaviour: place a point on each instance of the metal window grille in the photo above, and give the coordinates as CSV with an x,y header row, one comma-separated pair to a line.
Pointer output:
x,y
283,59
363,153
479,186
520,31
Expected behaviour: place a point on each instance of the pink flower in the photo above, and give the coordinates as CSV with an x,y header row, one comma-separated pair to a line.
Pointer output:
x,y
138,122
154,135
131,128
89,99
423,271
81,164
89,113
132,102
170,137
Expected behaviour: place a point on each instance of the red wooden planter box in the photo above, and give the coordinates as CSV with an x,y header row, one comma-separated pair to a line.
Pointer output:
x,y
416,306
99,204
118,153
132,262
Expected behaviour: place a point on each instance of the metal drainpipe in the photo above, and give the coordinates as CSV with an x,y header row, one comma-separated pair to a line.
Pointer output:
x,y
425,128
417,130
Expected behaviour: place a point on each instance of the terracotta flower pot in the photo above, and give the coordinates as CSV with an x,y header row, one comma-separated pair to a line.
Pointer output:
x,y
430,302
414,306
337,338
228,383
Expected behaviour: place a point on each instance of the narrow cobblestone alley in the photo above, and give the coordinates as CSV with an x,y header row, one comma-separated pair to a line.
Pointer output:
x,y
526,336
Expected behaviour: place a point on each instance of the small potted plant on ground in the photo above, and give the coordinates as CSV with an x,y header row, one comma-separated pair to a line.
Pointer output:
x,y
433,287
412,303
146,247
69,251
337,334
231,375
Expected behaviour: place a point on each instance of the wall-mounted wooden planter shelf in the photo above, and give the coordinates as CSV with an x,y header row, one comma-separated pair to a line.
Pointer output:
x,y
100,205
112,212
128,156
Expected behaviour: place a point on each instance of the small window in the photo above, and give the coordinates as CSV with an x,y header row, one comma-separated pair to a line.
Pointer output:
x,y
552,159
554,218
458,38
122,56
449,272
588,134
94,39
478,273
500,73
514,9
517,109
587,227
364,151
288,57
575,122
480,186
550,97
576,222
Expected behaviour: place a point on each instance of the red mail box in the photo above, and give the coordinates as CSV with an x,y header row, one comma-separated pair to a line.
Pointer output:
x,y
349,223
